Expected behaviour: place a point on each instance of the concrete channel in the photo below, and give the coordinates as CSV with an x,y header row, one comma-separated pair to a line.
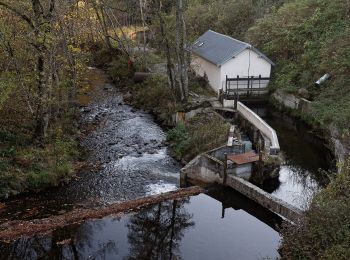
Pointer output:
x,y
206,169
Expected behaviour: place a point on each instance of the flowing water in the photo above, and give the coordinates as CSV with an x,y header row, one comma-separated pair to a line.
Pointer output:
x,y
125,152
127,158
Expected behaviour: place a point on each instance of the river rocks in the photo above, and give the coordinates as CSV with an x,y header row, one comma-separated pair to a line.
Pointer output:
x,y
152,151
86,110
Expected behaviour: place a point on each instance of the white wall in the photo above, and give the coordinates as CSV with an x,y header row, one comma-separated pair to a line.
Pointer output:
x,y
202,66
260,124
240,66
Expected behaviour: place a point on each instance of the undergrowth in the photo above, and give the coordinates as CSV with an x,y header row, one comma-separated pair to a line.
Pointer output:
x,y
201,133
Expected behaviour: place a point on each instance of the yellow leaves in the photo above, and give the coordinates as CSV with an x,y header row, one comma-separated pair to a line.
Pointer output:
x,y
73,49
81,4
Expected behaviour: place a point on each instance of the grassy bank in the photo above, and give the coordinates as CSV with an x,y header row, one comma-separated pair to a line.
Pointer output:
x,y
324,230
305,46
197,135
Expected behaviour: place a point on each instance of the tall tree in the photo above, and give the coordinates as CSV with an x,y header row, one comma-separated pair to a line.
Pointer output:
x,y
166,46
40,24
181,51
101,17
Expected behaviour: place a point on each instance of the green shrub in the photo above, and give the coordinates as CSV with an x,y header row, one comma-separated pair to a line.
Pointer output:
x,y
200,85
201,133
179,140
155,95
119,68
29,167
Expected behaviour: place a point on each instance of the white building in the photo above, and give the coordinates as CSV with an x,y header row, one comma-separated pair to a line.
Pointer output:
x,y
217,56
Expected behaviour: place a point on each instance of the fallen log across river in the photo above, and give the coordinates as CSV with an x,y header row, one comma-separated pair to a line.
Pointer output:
x,y
15,229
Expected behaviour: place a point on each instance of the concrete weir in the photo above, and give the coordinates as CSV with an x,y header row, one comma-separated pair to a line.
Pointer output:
x,y
206,170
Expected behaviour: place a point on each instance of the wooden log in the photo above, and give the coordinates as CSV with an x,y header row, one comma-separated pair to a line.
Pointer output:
x,y
15,229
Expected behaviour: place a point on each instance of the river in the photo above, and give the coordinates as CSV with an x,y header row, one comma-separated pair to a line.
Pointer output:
x,y
190,228
128,159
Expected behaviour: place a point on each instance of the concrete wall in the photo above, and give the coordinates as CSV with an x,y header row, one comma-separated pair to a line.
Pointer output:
x,y
202,66
292,102
203,169
340,143
263,198
260,124
247,63
198,170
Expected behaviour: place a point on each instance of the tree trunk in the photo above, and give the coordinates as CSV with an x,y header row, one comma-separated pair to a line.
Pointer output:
x,y
42,119
40,30
170,65
101,19
181,51
144,63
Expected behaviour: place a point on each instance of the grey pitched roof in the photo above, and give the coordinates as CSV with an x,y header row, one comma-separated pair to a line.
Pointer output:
x,y
218,48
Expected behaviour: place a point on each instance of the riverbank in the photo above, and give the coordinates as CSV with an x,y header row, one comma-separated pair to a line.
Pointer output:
x,y
187,137
323,231
29,165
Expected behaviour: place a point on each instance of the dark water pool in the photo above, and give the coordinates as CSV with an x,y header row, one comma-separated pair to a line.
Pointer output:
x,y
307,159
220,225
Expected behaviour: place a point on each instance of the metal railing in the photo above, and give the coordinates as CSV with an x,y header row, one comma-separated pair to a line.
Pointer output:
x,y
245,85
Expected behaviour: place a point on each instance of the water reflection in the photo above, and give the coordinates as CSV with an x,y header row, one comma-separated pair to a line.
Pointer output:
x,y
307,159
182,229
156,233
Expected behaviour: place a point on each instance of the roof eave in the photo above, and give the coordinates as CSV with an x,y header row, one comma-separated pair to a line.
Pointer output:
x,y
263,56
